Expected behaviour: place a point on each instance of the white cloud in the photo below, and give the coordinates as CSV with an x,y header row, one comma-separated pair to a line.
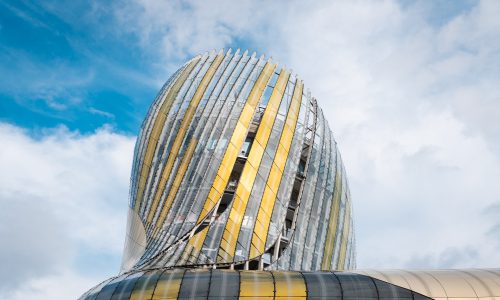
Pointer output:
x,y
63,197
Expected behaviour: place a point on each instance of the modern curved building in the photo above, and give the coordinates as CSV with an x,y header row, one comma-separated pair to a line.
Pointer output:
x,y
238,191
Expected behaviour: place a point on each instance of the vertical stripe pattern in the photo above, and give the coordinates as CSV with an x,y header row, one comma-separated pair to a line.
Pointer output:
x,y
236,167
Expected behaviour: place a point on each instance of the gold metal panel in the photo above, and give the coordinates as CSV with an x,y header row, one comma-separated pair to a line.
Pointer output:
x,y
230,224
255,155
256,284
177,181
158,125
259,229
218,184
182,132
247,178
239,133
274,178
287,136
332,222
289,284
264,130
238,136
145,286
246,116
267,203
257,244
168,285
195,244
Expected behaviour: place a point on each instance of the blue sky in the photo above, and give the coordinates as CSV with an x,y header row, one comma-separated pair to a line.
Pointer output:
x,y
71,64
410,89
68,67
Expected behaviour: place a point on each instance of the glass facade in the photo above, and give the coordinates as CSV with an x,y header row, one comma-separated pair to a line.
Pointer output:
x,y
235,166
238,190
234,284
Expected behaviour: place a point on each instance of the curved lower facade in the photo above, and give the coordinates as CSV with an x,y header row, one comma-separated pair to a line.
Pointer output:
x,y
443,284
363,284
238,190
229,284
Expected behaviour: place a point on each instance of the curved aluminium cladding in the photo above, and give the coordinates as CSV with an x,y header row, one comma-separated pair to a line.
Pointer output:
x,y
443,284
368,285
236,166
233,284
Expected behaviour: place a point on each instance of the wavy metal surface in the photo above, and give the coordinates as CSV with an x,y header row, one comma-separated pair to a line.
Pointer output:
x,y
233,165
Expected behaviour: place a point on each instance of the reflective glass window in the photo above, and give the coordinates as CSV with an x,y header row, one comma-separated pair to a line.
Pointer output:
x,y
224,284
357,287
322,285
195,284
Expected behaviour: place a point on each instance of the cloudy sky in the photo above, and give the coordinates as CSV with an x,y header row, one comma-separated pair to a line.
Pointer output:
x,y
411,89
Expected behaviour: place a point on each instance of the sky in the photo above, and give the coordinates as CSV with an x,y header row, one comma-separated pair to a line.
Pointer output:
x,y
410,89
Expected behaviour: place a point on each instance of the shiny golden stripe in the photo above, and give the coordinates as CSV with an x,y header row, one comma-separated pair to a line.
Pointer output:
x,y
158,124
145,286
169,285
332,223
256,284
237,139
195,243
289,284
193,247
186,121
247,178
345,237
186,159
275,175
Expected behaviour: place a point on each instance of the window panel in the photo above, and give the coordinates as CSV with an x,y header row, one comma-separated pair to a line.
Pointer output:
x,y
224,284
195,284
322,285
289,284
108,290
256,284
145,286
355,286
387,291
169,284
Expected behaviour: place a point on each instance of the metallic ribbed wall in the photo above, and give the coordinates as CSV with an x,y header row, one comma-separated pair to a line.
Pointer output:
x,y
236,166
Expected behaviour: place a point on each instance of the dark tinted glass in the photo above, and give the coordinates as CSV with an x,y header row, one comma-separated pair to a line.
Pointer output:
x,y
125,287
391,291
109,289
195,284
224,284
355,286
322,285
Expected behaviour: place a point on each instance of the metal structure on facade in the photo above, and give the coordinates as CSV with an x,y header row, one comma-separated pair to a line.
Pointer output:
x,y
238,190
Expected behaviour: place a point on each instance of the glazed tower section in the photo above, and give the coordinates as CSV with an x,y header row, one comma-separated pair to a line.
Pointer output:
x,y
236,167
